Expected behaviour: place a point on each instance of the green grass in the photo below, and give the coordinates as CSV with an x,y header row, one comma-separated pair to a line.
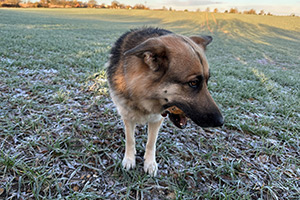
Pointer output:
x,y
61,137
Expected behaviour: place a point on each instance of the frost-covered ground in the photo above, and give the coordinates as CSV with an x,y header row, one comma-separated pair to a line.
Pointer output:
x,y
61,137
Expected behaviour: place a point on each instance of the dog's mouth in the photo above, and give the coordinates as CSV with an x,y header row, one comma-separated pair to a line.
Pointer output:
x,y
176,116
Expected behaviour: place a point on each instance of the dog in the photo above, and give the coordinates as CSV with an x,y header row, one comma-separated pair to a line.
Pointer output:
x,y
153,73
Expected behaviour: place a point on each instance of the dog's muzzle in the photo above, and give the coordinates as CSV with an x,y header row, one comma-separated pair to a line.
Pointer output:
x,y
203,117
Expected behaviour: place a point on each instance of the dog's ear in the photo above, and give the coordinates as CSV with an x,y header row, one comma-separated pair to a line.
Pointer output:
x,y
202,40
153,53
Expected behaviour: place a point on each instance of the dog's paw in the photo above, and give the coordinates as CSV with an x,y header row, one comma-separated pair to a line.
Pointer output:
x,y
150,167
128,163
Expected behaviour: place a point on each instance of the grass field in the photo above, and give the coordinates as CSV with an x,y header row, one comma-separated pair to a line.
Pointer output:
x,y
61,137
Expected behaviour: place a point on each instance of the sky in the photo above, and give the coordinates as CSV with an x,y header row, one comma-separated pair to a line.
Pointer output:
x,y
278,7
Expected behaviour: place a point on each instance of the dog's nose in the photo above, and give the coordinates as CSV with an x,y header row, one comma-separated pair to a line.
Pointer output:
x,y
219,120
210,120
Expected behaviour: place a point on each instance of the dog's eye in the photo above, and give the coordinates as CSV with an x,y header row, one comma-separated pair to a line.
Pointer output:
x,y
194,84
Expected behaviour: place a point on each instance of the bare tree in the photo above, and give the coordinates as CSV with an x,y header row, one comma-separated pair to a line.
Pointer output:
x,y
115,4
140,6
262,12
92,3
250,12
233,10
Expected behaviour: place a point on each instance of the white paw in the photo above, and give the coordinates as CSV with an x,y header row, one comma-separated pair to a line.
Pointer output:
x,y
128,163
150,167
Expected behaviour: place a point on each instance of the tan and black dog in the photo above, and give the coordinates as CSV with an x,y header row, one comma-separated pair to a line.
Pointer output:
x,y
153,72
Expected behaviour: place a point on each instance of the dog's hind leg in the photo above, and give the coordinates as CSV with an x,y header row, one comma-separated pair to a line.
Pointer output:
x,y
129,157
150,165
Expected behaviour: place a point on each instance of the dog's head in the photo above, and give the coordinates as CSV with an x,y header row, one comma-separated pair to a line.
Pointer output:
x,y
178,70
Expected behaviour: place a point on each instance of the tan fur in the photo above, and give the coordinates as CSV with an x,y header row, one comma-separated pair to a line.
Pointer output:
x,y
120,82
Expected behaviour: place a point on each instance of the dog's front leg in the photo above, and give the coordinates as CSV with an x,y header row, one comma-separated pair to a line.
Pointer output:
x,y
150,165
129,157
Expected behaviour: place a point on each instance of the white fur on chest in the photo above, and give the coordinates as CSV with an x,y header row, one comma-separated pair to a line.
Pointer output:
x,y
148,113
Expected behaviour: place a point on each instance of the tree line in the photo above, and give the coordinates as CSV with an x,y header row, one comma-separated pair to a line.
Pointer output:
x,y
114,5
250,12
68,4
